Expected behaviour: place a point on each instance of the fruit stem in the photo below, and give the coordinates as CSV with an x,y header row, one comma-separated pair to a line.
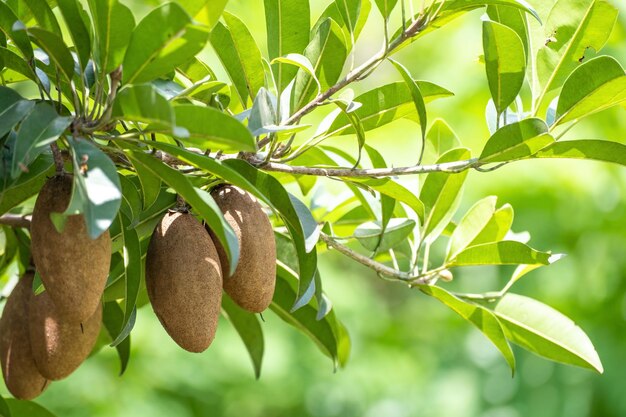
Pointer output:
x,y
58,158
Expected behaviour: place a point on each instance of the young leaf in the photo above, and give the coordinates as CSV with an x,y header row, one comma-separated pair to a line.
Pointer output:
x,y
439,140
249,329
39,129
479,316
373,237
112,318
385,104
506,252
418,100
392,189
386,7
505,62
73,14
206,12
113,23
471,225
96,192
516,140
327,53
329,334
441,194
164,39
13,28
599,150
356,124
13,108
514,19
596,85
546,332
287,23
496,228
240,56
571,27
209,128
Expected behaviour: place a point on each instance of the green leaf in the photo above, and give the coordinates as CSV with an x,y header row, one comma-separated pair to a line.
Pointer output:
x,y
546,332
327,53
505,62
27,185
249,329
96,192
392,189
439,140
571,27
143,103
514,19
596,85
329,334
13,108
206,12
73,14
4,408
14,30
356,124
43,15
599,150
209,128
56,49
287,23
418,100
385,104
113,24
350,15
506,252
373,237
240,56
21,408
200,200
305,66
133,273
17,64
441,195
164,39
386,7
516,141
471,225
479,316
39,129
497,227
112,318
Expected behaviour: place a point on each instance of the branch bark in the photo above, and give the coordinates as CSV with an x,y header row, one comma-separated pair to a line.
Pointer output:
x,y
15,220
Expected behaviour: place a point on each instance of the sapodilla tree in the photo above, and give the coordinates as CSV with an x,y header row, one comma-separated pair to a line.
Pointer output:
x,y
143,125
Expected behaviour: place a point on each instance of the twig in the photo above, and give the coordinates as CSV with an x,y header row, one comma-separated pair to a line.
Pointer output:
x,y
57,155
15,220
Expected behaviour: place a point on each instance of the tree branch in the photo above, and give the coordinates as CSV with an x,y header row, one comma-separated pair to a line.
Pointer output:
x,y
451,167
15,220
420,279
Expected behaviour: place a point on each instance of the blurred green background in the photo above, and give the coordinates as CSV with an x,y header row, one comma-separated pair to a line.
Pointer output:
x,y
411,356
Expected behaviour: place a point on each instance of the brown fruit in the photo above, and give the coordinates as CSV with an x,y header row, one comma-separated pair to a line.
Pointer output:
x,y
184,280
73,267
59,346
21,376
252,284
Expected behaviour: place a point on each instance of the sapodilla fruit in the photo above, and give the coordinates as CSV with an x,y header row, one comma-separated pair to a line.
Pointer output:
x,y
184,280
59,346
73,267
21,376
252,284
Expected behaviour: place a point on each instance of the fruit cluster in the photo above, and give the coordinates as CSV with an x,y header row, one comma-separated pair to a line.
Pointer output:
x,y
45,337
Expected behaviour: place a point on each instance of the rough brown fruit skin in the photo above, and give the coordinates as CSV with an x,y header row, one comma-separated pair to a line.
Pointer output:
x,y
21,376
252,284
73,267
184,281
59,346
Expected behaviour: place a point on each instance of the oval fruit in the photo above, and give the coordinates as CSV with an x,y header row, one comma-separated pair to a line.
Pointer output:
x,y
21,376
184,280
252,284
59,346
73,267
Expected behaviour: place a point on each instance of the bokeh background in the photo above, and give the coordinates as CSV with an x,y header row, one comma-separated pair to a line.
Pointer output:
x,y
411,356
